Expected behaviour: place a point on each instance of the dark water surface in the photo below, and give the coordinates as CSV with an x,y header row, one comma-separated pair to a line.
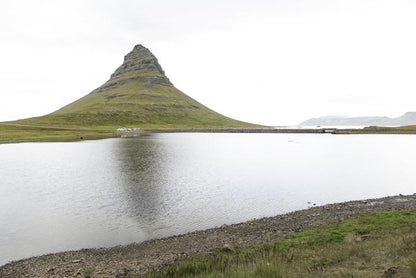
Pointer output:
x,y
66,196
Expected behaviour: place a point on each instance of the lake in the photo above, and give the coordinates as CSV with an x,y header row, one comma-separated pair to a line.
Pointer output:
x,y
66,196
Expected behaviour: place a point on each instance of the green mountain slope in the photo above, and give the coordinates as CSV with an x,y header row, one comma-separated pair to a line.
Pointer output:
x,y
138,94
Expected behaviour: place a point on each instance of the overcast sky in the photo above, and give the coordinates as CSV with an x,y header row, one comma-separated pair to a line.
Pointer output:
x,y
266,61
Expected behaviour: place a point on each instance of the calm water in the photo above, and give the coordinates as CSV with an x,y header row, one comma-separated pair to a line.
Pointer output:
x,y
65,196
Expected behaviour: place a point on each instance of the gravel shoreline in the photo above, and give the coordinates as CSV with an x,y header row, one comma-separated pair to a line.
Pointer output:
x,y
121,261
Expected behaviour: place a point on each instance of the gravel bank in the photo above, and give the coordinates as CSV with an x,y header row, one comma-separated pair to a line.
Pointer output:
x,y
139,258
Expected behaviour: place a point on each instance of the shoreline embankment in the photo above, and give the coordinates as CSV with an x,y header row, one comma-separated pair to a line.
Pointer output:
x,y
114,134
122,261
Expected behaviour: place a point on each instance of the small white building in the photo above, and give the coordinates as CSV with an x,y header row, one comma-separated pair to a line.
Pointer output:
x,y
129,132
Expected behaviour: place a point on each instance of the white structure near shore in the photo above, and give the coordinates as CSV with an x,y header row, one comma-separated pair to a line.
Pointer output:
x,y
129,132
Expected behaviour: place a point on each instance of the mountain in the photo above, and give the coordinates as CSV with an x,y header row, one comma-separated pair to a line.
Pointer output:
x,y
407,119
138,94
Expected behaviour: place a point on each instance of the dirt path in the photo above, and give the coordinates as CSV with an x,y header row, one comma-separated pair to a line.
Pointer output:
x,y
140,258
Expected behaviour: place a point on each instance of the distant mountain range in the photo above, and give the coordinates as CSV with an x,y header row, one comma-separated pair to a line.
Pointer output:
x,y
408,118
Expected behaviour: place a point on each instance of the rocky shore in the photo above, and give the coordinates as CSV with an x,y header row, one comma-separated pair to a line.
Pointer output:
x,y
123,261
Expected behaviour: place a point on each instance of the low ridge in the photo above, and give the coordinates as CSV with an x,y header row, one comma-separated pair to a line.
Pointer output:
x,y
138,94
407,119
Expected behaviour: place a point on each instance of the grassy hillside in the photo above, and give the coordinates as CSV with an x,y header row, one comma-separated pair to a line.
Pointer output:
x,y
138,94
379,245
21,133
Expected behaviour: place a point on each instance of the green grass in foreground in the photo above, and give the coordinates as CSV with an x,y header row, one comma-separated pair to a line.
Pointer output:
x,y
361,247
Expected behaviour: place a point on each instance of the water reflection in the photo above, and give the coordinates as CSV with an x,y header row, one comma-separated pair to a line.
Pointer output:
x,y
141,166
62,196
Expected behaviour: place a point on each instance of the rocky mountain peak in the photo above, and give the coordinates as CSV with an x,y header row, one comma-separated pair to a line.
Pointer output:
x,y
138,94
140,58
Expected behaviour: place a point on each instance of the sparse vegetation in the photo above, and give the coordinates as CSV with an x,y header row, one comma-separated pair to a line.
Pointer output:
x,y
371,246
88,272
19,133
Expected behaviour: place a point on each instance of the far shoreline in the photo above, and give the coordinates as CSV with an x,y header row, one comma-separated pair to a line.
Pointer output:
x,y
80,136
